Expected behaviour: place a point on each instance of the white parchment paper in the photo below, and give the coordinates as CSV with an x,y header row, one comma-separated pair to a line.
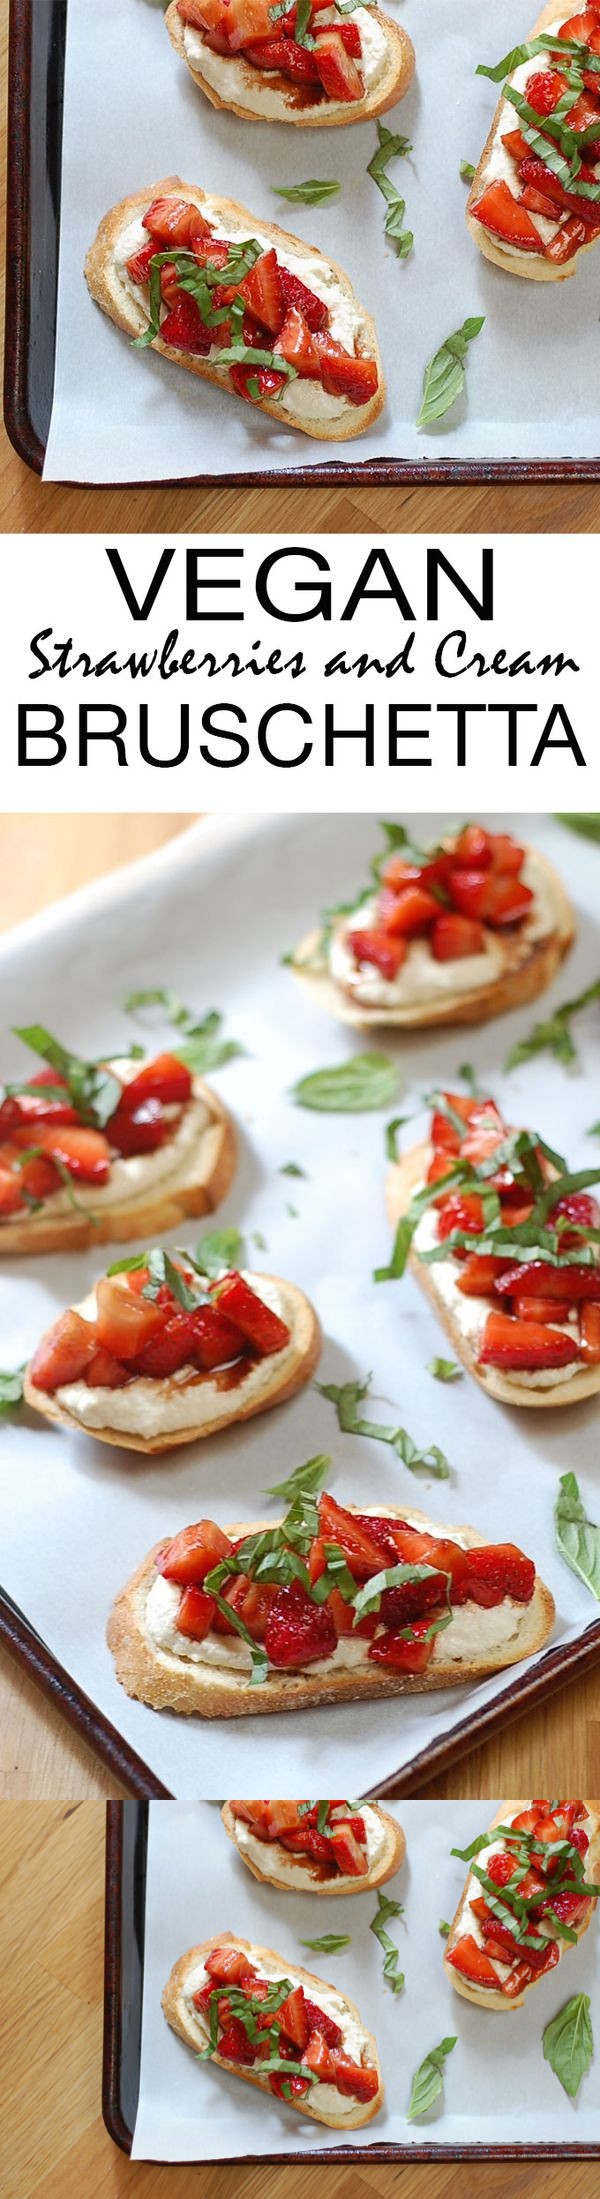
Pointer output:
x,y
497,2089
211,917
133,114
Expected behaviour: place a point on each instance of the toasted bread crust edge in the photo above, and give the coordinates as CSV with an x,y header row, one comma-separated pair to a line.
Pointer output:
x,y
498,2001
109,293
150,1215
177,2016
514,989
535,269
378,1875
402,1178
399,73
168,1682
307,1342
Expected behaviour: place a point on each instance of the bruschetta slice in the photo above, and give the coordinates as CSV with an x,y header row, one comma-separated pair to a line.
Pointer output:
x,y
159,1355
452,933
529,1899
277,2026
241,303
534,205
330,1848
202,1628
502,1237
98,1152
315,66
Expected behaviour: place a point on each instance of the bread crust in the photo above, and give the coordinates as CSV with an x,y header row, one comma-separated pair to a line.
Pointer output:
x,y
535,269
402,1179
168,1682
521,981
389,1862
486,1998
174,2009
109,293
398,75
276,1390
152,1213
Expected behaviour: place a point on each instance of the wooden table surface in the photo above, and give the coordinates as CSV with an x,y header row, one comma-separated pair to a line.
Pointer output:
x,y
41,858
53,2142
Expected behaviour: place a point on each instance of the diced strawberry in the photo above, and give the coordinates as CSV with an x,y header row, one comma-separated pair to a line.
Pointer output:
x,y
515,144
64,1354
249,20
229,1966
256,1321
349,1855
193,1553
544,89
124,1322
212,252
319,2058
462,1210
298,1630
499,212
339,75
350,37
165,1079
201,14
578,1208
353,1535
470,891
268,382
175,221
343,1617
326,2026
307,1840
261,291
31,1106
296,346
398,872
585,112
455,936
85,1153
569,239
138,267
283,1817
473,849
500,1868
283,54
196,1613
541,1309
590,1333
536,203
506,854
11,1191
509,1343
345,373
536,1278
480,1275
106,1373
171,1348
498,1570
508,901
254,1814
184,329
534,171
356,2080
445,1137
234,2044
293,2019
294,2088
376,946
253,1601
39,1177
472,1962
391,1651
216,1340
438,1172
295,293
401,1606
410,911
584,27
141,1132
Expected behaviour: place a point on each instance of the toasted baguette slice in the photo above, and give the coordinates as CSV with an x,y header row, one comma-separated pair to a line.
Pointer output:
x,y
532,268
529,966
130,314
292,104
168,1681
485,1997
196,1189
288,1872
184,2019
402,1180
219,1403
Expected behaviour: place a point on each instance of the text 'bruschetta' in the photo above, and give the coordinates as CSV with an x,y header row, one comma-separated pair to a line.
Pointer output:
x,y
316,1847
452,933
241,303
98,1152
278,2027
534,206
309,62
160,1354
530,1896
505,1241
330,1606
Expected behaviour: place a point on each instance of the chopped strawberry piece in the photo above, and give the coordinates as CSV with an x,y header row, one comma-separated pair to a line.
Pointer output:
x,y
343,1617
375,946
536,203
283,1817
357,2080
192,1553
445,1137
229,1966
500,1868
267,379
165,1079
39,1177
401,1606
480,1275
470,891
296,346
455,936
350,37
293,2019
295,293
325,2025
248,20
138,267
339,75
509,1343
196,1613
538,1279
142,1132
261,291
252,1600
544,89
257,1322
307,1840
184,328
498,1570
584,27
508,901
590,1334
541,1309
399,1656
319,2058
506,854
345,373
499,212
349,1855
106,1373
580,1209
281,53
473,848
472,1962
356,1537
255,1814
294,2088
124,1322
234,2044
171,1348
298,1631
399,873
515,144
175,221
410,911
11,1191
200,14
64,1354
85,1153
462,1210
216,1340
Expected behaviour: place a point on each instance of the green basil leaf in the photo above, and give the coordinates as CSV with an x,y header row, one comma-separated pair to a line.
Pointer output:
x,y
554,1036
11,1390
390,147
332,1943
353,1087
346,1397
444,1928
93,1089
587,824
290,1168
164,1270
568,2043
391,1129
428,2081
368,1599
468,171
309,1479
444,1370
386,1909
221,1249
204,1048
312,193
444,378
577,1539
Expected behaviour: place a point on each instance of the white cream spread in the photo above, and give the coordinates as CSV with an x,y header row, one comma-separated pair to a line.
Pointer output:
x,y
500,166
346,318
171,1164
471,1314
471,1924
420,978
355,2039
473,1631
150,1407
289,1869
228,74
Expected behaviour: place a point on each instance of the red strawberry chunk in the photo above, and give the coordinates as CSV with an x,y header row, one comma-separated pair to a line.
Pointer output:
x,y
357,2080
399,1656
196,1613
283,54
141,1132
229,1966
138,267
234,2044
295,293
338,72
505,218
536,1278
500,1868
296,346
256,1321
193,1553
472,1962
461,1210
105,1373
319,2021
499,1570
544,90
455,936
346,374
298,1631
293,2018
291,2087
509,1343
266,382
261,291
374,945
184,328
175,221
319,2058
64,1354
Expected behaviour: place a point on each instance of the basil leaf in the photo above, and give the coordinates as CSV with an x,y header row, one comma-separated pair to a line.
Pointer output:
x,y
312,193
512,60
385,1910
163,1270
347,1396
469,1077
11,1390
444,1928
309,1479
290,1168
444,378
568,2043
391,1129
390,147
554,1036
468,171
456,1173
428,2081
587,824
93,1089
332,1943
354,1087
368,1599
577,1539
444,1370
204,1048
222,1248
